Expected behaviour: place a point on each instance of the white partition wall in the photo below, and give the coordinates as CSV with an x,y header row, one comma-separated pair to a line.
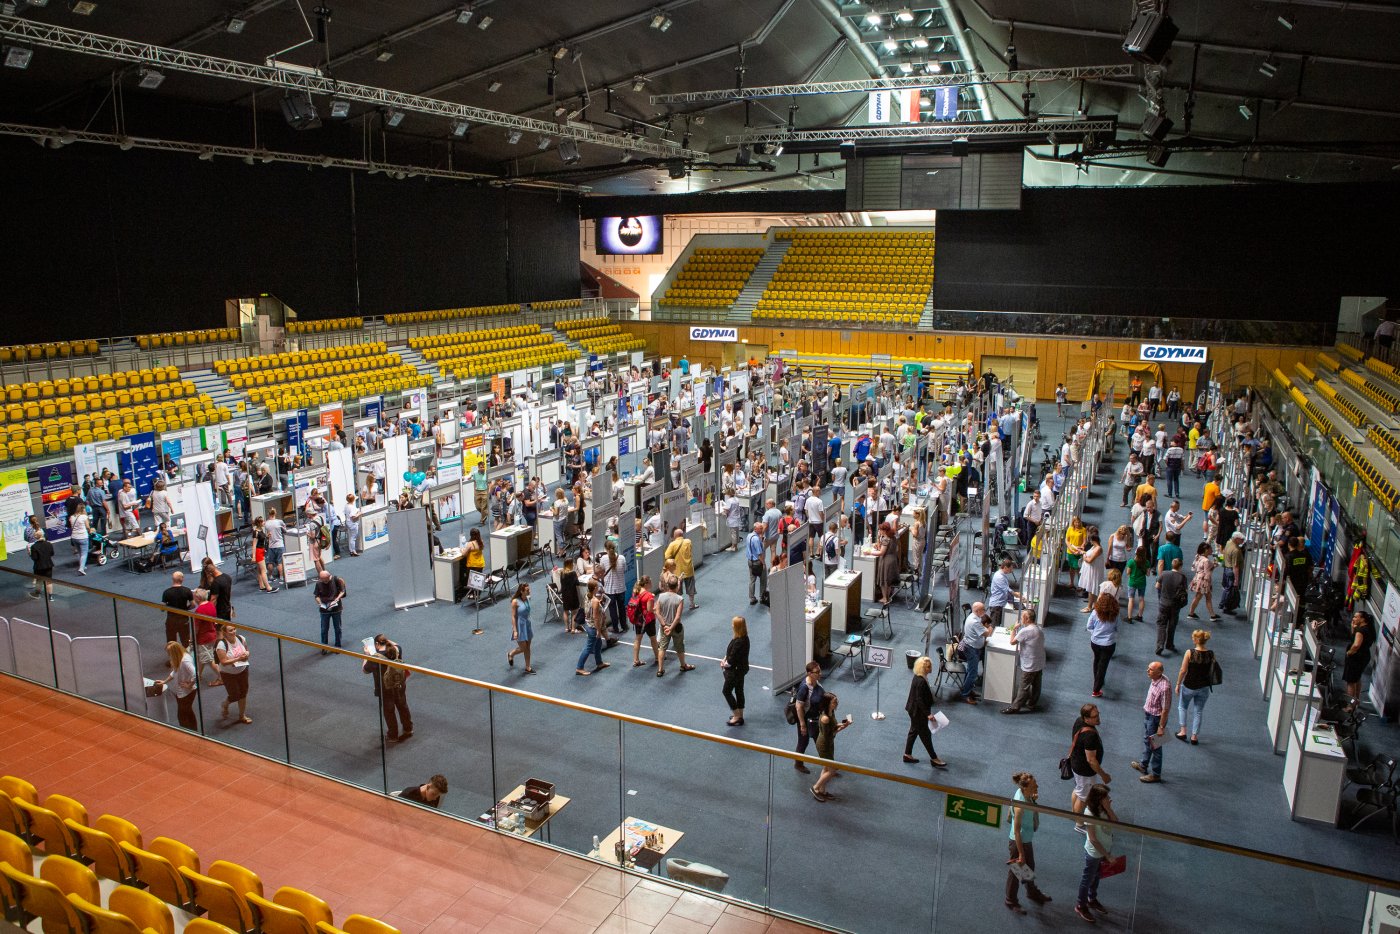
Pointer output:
x,y
410,559
201,524
39,659
395,465
106,677
787,613
341,464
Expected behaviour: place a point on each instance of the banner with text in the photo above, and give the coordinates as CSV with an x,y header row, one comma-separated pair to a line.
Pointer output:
x,y
55,487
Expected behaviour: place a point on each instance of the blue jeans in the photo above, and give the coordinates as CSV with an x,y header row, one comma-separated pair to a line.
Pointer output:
x,y
1089,882
1193,700
1151,758
327,618
974,662
1173,482
594,647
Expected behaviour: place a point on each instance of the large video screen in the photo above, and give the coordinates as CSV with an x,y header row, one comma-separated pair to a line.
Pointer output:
x,y
629,235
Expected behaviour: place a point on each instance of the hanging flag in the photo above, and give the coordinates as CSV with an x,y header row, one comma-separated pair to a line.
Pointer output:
x,y
945,102
878,109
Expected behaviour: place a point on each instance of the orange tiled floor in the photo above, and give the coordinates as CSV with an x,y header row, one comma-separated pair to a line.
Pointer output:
x,y
361,852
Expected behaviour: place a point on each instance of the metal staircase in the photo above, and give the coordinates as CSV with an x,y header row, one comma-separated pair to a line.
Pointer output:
x,y
742,309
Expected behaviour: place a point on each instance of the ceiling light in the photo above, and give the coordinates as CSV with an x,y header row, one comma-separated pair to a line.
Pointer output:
x,y
543,144
920,42
384,54
1268,69
151,79
778,150
659,20
206,155
890,45
925,103
905,15
340,109
127,144
1245,111
267,158
560,52
666,24
906,67
464,16
1293,176
639,83
17,56
874,19
1285,22
327,162
82,7
248,159
574,114
933,67
560,110
484,22
493,87
235,25
513,136
460,128
393,117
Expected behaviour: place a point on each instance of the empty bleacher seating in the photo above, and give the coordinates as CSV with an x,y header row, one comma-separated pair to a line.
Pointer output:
x,y
558,304
451,314
186,338
1383,399
712,277
296,328
19,353
1341,403
1384,490
870,277
600,336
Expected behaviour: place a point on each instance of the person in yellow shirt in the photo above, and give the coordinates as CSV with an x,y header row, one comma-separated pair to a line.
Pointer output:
x,y
1075,537
681,551
1210,495
1192,454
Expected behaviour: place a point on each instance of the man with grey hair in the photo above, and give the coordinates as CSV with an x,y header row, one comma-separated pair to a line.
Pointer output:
x,y
758,568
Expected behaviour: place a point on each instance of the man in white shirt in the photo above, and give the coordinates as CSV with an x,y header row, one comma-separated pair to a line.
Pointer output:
x,y
816,512
1029,640
1148,453
222,482
1174,521
1030,518
976,628
1154,399
126,504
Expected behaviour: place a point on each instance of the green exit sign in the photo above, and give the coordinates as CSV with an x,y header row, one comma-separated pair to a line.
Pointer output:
x,y
972,810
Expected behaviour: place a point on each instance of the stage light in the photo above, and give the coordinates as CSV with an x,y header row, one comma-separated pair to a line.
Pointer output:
x,y
1245,111
568,151
493,87
151,79
639,84
933,67
660,21
1158,156
874,19
560,110
513,136
906,67
300,111
460,128
778,150
340,109
235,25
484,22
560,52
890,45
666,24
206,156
393,117
82,7
384,54
905,15
1285,22
920,42
126,144
464,16
543,143
677,169
1267,68
17,56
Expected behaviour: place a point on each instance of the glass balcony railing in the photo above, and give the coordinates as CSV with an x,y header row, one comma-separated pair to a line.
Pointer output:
x,y
723,812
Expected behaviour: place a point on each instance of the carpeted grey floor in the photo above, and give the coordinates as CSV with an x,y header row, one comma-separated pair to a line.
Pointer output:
x,y
881,857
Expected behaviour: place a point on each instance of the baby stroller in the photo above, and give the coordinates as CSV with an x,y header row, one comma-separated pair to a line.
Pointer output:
x,y
101,547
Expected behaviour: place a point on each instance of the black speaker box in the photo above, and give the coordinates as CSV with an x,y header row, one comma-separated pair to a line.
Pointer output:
x,y
1150,37
300,111
1156,126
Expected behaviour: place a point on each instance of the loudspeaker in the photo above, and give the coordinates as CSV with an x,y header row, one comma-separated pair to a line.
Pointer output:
x,y
744,156
1150,37
1158,156
676,168
299,111
959,146
1156,126
568,151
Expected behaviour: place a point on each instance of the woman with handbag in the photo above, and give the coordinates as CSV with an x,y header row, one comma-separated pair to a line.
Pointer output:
x,y
1193,684
231,651
1024,824
919,706
1098,855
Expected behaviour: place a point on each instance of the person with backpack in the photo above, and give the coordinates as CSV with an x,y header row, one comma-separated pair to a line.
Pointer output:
x,y
330,598
391,687
641,613
831,549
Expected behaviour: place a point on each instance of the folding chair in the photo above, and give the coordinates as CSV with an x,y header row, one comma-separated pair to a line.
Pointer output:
x,y
850,649
950,667
879,612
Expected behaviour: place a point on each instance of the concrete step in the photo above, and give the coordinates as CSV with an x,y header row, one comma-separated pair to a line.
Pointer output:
x,y
758,281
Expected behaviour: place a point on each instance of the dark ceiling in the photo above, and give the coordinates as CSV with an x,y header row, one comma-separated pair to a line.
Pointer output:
x,y
1319,90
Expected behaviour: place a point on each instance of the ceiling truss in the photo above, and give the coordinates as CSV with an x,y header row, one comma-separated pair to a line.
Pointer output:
x,y
930,131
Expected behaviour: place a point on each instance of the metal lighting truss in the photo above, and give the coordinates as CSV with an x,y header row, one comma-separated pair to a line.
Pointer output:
x,y
62,137
297,78
927,131
1033,75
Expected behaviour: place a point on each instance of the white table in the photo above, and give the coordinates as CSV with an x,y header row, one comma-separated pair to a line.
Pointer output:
x,y
1283,652
1313,774
1287,701
864,566
842,590
1000,668
445,573
509,546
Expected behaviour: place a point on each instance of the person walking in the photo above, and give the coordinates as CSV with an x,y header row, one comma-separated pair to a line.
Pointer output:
x,y
1135,581
1020,845
735,664
1157,710
1029,641
1098,849
41,554
520,632
220,587
758,568
681,551
919,706
391,686
178,599
613,570
1171,598
1193,684
976,628
670,606
1202,569
330,600
641,613
827,728
1085,756
808,700
260,555
595,623
1103,638
78,530
1091,568
1232,561
185,680
231,652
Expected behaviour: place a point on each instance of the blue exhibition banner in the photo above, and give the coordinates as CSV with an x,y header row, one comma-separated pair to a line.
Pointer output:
x,y
142,462
55,488
373,408
624,444
1317,531
172,451
945,102
296,432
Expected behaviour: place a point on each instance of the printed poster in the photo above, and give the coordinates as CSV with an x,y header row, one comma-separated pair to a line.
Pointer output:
x,y
15,507
55,487
142,462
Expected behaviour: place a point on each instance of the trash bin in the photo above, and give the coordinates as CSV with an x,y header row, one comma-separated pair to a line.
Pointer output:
x,y
911,656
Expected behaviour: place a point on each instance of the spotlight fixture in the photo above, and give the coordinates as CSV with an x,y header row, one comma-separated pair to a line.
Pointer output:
x,y
248,159
460,128
151,79
1245,111
1013,62
933,66
639,83
660,21
574,114
543,143
206,155
777,150
1158,155
906,67
18,56
890,45
513,136
493,87
340,109
82,7
1285,22
484,22
920,42
464,16
905,15
677,169
666,25
560,52
1267,68
699,119
384,54
267,158
1156,125
1150,37
126,144
393,117
235,25
560,110
874,19
300,111
568,151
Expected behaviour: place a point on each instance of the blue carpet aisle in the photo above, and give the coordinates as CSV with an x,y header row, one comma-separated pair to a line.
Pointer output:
x,y
928,874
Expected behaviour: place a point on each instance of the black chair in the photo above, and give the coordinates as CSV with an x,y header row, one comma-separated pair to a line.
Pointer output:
x,y
850,649
950,667
1379,771
876,613
1381,800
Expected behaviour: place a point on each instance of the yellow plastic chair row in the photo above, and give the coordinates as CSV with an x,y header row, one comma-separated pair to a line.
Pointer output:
x,y
500,363
619,344
303,372
1385,442
458,351
15,412
1371,476
569,326
295,357
322,384
558,304
1383,399
1341,404
54,436
186,338
448,314
324,325
315,392
19,353
1283,381
463,338
76,385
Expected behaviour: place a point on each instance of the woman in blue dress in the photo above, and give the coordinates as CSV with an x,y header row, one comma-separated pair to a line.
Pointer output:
x,y
520,631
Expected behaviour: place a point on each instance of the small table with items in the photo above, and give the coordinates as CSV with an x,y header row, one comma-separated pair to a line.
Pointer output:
x,y
526,809
638,843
